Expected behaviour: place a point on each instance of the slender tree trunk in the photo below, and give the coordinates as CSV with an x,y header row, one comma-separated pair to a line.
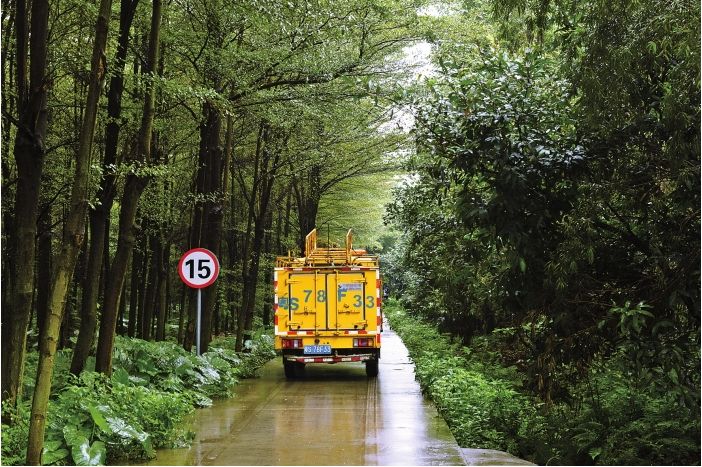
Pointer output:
x,y
143,281
133,189
100,214
268,276
162,292
43,268
181,315
246,241
307,200
134,293
122,309
152,286
88,320
268,171
29,155
288,211
72,240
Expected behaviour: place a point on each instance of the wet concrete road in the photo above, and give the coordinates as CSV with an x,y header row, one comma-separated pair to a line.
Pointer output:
x,y
334,416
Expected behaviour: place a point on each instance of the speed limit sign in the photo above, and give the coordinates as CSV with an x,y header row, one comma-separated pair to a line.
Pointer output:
x,y
198,268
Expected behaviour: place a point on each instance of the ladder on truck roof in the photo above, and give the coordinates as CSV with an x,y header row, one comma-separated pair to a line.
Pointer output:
x,y
317,256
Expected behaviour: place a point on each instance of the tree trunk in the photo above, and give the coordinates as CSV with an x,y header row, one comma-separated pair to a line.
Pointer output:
x,y
151,288
268,171
268,276
181,315
43,268
134,293
307,199
207,219
246,241
29,155
72,239
100,214
133,189
122,309
162,292
143,281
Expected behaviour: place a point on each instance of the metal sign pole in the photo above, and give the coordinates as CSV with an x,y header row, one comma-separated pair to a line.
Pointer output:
x,y
199,314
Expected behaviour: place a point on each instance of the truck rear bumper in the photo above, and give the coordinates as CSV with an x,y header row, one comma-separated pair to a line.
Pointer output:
x,y
329,358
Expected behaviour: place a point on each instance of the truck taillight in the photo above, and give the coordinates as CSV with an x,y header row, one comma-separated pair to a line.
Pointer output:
x,y
363,342
292,343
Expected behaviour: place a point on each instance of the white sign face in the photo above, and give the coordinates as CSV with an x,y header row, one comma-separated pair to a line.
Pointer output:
x,y
198,268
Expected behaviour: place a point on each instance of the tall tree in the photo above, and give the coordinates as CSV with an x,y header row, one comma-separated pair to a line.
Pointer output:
x,y
29,155
100,214
134,186
72,240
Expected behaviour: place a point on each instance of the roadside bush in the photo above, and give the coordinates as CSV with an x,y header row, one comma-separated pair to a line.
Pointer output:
x,y
611,419
482,411
15,435
93,419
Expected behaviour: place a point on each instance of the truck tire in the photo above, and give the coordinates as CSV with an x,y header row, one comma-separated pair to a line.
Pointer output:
x,y
299,369
289,368
372,368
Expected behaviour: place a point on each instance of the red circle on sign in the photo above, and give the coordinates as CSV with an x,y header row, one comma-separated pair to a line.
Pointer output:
x,y
192,265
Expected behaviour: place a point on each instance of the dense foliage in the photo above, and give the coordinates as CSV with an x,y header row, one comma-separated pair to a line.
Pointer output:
x,y
94,420
527,207
486,406
134,130
553,205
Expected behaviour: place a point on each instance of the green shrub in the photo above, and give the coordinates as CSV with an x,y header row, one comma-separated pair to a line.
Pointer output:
x,y
93,419
611,418
15,435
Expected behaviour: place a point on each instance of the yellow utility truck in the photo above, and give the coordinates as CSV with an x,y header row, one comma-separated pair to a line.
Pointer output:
x,y
327,307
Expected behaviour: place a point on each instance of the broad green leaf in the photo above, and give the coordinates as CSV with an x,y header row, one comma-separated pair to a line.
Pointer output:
x,y
125,430
120,376
99,419
53,451
594,452
85,454
75,434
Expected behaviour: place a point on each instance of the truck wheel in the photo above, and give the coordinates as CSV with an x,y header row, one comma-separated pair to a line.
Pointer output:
x,y
372,368
299,369
289,368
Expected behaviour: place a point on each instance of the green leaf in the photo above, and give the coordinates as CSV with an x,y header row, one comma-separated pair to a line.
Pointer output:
x,y
120,376
85,454
594,452
53,451
75,434
99,419
522,265
148,447
125,430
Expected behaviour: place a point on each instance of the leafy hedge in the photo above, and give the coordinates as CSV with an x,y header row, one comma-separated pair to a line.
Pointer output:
x,y
93,419
612,422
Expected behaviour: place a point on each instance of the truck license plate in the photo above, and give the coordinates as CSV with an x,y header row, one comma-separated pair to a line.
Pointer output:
x,y
317,349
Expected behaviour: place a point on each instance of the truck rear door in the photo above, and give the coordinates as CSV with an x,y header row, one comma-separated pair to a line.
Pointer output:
x,y
328,300
306,301
354,301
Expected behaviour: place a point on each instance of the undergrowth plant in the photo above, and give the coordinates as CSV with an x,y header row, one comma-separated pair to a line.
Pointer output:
x,y
608,420
93,419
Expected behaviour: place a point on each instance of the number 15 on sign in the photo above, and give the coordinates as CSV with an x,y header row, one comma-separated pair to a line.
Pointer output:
x,y
198,268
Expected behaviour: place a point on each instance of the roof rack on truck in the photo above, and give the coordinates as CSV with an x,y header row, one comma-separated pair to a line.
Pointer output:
x,y
329,256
